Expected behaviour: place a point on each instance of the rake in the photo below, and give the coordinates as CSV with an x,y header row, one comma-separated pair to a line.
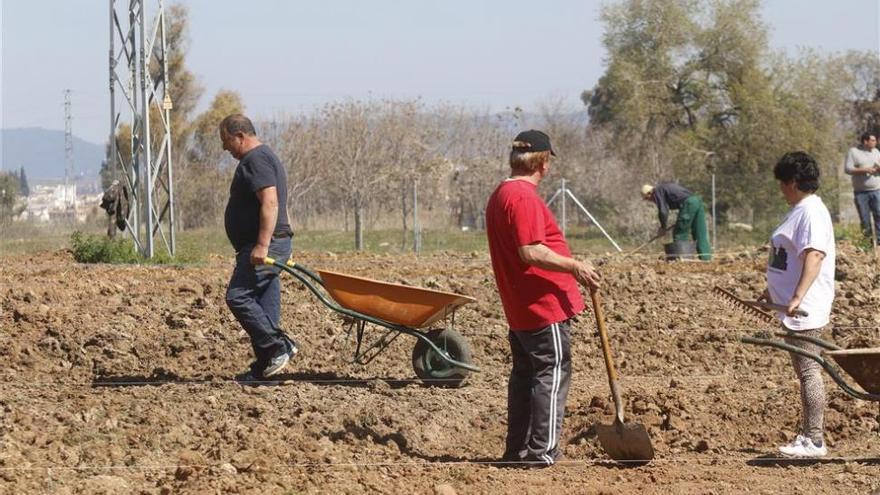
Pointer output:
x,y
744,306
754,309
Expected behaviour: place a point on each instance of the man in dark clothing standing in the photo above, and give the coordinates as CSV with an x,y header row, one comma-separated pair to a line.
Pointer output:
x,y
691,220
257,226
537,281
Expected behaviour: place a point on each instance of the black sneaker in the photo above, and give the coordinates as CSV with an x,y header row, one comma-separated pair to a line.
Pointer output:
x,y
249,376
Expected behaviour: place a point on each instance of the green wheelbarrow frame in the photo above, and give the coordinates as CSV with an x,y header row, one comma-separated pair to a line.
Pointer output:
x,y
863,365
432,359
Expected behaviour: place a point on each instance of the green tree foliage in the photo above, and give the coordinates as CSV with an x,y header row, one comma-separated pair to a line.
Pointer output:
x,y
206,146
691,87
9,184
23,188
860,78
204,182
183,87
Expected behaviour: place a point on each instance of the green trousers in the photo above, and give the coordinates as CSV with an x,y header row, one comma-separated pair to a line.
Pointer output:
x,y
691,223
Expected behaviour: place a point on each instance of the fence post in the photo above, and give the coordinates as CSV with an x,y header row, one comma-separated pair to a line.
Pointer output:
x,y
417,228
563,207
714,221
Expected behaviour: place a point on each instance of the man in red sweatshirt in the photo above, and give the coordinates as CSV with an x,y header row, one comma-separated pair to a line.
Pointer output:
x,y
537,281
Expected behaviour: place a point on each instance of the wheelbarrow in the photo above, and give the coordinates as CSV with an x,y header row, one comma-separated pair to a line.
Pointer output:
x,y
862,365
441,356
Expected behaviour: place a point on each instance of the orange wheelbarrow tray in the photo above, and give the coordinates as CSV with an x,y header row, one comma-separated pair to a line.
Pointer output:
x,y
441,356
863,365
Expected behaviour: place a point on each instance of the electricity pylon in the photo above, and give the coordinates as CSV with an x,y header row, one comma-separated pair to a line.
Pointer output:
x,y
139,71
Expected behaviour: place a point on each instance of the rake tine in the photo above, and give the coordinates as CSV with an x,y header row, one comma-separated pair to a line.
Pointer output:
x,y
738,303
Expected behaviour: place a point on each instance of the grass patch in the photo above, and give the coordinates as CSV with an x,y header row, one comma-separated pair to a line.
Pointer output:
x,y
90,244
21,238
853,233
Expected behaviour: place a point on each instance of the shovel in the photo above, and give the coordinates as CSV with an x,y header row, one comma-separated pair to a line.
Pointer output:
x,y
649,241
621,441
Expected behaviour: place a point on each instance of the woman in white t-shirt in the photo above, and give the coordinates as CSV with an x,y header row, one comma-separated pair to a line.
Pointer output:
x,y
800,275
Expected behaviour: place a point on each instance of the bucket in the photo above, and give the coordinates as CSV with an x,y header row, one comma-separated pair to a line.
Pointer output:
x,y
680,250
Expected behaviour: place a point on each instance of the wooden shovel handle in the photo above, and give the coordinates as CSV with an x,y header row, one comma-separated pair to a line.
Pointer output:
x,y
606,353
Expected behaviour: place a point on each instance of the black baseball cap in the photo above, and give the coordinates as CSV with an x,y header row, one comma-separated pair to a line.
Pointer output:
x,y
532,140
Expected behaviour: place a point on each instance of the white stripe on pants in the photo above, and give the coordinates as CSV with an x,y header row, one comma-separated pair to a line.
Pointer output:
x,y
537,392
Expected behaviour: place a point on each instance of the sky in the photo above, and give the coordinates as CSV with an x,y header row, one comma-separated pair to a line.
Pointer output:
x,y
289,56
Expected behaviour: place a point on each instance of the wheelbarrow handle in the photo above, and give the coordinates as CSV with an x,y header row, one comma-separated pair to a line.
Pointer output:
x,y
819,359
814,340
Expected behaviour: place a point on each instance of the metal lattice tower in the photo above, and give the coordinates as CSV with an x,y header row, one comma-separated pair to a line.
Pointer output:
x,y
69,171
138,70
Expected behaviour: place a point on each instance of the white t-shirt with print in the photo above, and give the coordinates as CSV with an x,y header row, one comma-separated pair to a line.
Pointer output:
x,y
807,226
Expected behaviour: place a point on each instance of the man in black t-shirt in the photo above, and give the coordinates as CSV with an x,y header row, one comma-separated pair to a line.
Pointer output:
x,y
257,226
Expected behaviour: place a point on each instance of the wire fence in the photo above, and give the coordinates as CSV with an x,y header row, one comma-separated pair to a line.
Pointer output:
x,y
578,380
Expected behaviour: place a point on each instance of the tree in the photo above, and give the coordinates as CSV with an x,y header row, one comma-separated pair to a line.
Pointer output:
x,y
352,141
860,77
184,91
183,87
647,89
691,88
475,148
302,148
23,187
407,145
9,205
206,146
205,180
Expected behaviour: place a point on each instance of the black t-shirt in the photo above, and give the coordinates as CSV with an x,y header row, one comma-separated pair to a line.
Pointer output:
x,y
669,195
258,169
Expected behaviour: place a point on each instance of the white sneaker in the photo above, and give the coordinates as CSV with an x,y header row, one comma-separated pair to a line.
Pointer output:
x,y
791,448
806,448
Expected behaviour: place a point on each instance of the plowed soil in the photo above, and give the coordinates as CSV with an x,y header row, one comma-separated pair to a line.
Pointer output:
x,y
118,379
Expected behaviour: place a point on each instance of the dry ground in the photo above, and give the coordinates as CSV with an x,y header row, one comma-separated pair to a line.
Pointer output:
x,y
117,380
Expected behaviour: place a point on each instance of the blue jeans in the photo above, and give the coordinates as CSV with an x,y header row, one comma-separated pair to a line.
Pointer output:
x,y
868,204
254,297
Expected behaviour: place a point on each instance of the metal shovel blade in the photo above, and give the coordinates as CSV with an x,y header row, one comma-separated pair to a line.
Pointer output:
x,y
626,442
621,441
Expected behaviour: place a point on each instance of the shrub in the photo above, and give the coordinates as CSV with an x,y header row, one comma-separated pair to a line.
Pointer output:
x,y
92,248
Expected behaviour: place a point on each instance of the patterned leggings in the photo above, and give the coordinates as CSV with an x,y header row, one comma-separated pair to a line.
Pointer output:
x,y
809,374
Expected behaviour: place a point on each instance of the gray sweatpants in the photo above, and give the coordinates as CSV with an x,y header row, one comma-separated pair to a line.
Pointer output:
x,y
536,392
809,374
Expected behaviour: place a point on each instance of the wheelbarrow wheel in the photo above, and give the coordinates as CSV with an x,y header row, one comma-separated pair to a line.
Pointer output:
x,y
431,368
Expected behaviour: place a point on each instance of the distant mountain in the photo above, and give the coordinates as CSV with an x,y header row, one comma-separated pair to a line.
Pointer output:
x,y
41,153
